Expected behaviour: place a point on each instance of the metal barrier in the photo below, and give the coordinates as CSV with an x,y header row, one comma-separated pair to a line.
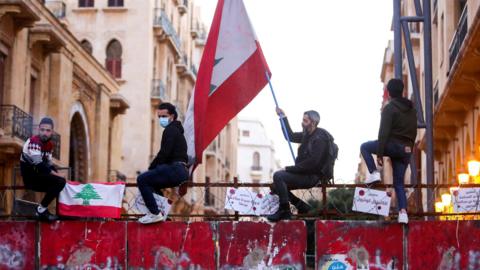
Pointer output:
x,y
213,207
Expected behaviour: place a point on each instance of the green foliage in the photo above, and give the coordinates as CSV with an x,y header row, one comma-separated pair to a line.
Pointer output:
x,y
88,193
340,200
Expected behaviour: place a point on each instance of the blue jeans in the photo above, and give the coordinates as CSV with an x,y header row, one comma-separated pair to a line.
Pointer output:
x,y
400,159
163,176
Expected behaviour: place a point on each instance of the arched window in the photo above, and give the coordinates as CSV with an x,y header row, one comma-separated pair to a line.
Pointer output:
x,y
87,46
114,58
256,161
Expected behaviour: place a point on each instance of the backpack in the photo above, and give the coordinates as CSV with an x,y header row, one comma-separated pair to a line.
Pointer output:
x,y
329,161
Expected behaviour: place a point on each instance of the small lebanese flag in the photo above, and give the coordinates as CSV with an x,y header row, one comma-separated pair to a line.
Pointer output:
x,y
91,200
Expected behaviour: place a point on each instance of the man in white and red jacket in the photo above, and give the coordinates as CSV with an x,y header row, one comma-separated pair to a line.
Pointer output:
x,y
38,171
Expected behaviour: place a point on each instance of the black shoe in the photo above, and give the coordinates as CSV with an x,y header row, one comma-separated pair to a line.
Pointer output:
x,y
303,208
45,216
279,215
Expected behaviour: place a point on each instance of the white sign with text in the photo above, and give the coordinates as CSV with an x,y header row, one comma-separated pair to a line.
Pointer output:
x,y
163,203
466,200
371,201
248,202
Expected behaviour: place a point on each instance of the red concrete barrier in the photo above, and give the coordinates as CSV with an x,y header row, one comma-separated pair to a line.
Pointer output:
x,y
17,245
444,245
250,245
171,245
359,245
83,245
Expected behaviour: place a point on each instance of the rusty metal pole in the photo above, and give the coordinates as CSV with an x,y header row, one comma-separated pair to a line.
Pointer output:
x,y
235,185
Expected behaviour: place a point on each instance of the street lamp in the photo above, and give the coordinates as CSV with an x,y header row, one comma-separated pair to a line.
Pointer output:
x,y
463,178
446,199
439,207
473,168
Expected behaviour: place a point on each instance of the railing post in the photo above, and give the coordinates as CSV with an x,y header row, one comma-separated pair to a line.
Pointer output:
x,y
235,185
324,199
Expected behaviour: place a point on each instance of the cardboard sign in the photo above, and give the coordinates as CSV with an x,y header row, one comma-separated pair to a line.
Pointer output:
x,y
163,203
371,201
248,202
466,200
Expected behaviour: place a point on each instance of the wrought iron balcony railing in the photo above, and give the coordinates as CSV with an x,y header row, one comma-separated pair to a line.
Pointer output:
x,y
158,90
15,122
458,38
161,20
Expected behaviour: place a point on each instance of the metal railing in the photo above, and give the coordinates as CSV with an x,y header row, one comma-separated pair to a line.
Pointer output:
x,y
194,69
56,139
15,122
58,8
159,89
325,207
458,38
161,20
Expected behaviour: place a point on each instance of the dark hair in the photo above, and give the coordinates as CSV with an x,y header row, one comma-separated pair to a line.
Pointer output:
x,y
170,108
395,88
46,121
314,116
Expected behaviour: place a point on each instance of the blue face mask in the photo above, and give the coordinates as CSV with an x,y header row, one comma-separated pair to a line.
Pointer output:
x,y
164,121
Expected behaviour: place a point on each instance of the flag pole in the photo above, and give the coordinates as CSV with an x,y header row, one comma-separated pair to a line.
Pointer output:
x,y
282,120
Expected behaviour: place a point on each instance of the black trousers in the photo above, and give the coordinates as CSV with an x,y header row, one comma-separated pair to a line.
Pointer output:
x,y
51,184
162,176
284,181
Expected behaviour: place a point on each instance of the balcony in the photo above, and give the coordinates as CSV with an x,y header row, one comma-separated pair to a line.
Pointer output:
x,y
158,90
57,8
458,38
165,30
182,7
15,123
194,69
182,65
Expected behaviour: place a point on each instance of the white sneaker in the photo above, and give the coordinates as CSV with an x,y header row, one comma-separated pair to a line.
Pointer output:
x,y
151,218
372,177
403,218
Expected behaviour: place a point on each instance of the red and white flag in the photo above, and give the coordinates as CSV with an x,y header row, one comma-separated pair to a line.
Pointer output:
x,y
91,200
231,73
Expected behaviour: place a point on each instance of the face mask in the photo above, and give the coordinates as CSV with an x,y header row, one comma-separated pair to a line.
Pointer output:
x,y
164,121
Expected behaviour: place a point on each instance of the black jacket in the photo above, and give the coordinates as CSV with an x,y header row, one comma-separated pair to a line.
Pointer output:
x,y
398,124
312,151
173,146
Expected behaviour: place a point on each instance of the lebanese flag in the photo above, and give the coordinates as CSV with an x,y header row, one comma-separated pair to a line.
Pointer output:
x,y
231,73
91,200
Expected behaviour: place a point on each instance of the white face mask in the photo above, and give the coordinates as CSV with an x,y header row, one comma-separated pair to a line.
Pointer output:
x,y
163,121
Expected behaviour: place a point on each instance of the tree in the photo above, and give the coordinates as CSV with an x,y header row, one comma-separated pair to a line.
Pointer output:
x,y
88,193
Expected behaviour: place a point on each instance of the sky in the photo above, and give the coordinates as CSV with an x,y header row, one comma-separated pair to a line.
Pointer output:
x,y
325,56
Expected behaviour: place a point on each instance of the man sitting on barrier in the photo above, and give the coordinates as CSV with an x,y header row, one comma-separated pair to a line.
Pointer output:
x,y
308,169
396,137
37,169
169,168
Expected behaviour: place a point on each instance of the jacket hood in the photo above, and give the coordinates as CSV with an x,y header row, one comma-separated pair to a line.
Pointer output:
x,y
402,104
177,124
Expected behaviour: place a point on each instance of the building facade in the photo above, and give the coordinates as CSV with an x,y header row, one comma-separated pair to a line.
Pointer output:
x,y
456,84
153,49
256,161
44,70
